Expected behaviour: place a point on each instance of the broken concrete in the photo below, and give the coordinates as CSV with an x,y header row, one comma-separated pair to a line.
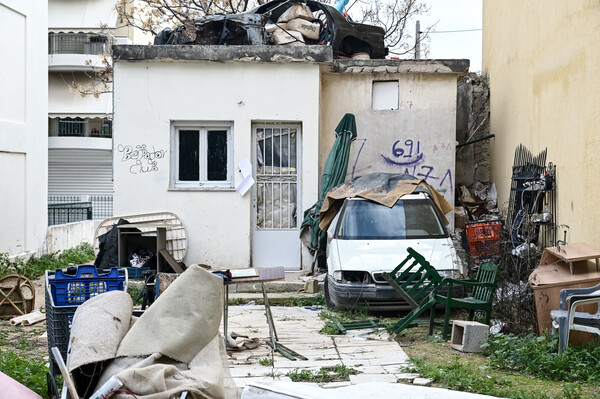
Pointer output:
x,y
276,54
459,67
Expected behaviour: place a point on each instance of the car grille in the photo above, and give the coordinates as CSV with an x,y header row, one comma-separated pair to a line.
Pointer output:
x,y
378,277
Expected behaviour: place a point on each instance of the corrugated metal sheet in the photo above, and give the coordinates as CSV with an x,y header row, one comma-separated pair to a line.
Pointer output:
x,y
79,172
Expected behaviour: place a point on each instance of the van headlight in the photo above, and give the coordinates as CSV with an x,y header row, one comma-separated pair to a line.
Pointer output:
x,y
337,275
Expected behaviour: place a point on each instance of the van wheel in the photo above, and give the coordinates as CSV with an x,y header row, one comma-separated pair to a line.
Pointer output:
x,y
328,303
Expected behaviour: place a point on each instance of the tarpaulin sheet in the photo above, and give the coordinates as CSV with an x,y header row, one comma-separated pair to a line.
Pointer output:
x,y
383,188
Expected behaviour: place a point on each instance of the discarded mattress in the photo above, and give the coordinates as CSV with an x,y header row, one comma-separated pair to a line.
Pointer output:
x,y
172,348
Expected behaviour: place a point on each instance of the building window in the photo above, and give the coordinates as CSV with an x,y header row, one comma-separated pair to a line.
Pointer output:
x,y
385,95
202,155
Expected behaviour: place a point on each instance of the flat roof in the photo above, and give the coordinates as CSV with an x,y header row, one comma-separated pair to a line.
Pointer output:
x,y
286,54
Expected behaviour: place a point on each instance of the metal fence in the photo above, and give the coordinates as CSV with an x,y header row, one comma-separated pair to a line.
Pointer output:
x,y
101,207
69,212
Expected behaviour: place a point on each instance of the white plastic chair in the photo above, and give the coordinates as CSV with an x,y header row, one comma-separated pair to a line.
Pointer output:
x,y
564,320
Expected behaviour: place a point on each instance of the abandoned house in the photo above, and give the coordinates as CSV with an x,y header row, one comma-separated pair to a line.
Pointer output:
x,y
193,123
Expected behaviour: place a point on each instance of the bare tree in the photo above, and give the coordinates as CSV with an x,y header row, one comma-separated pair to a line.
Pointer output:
x,y
154,15
394,16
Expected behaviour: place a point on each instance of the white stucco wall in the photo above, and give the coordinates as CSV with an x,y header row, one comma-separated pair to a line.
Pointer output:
x,y
23,126
418,138
148,95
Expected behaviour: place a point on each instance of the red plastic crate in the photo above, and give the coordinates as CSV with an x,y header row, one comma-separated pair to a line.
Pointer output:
x,y
484,238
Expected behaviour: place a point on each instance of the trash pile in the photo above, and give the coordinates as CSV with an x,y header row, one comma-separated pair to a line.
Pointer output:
x,y
283,22
174,348
295,26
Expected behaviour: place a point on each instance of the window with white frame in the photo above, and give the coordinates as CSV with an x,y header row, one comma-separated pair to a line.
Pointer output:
x,y
201,155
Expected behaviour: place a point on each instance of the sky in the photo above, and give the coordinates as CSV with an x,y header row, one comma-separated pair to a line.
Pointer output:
x,y
455,15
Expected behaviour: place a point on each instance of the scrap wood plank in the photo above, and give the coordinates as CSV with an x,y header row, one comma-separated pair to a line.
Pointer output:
x,y
171,261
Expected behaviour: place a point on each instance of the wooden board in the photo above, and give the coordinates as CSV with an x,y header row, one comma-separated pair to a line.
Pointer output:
x,y
575,252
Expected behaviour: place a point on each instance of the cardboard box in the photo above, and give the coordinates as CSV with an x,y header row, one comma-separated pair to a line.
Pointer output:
x,y
554,274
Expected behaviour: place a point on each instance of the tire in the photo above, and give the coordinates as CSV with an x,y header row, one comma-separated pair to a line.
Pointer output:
x,y
328,303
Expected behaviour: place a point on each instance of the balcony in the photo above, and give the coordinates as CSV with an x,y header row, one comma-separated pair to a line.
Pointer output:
x,y
76,51
80,127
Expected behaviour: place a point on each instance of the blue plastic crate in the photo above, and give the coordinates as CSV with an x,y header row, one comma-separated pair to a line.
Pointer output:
x,y
74,290
136,273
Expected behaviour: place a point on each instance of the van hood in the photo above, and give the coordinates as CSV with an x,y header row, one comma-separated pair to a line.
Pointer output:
x,y
385,255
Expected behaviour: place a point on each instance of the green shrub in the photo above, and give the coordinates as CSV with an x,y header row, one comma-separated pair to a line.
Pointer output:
x,y
27,371
35,267
538,357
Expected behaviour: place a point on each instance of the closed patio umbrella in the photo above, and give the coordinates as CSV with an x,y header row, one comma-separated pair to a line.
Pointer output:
x,y
334,174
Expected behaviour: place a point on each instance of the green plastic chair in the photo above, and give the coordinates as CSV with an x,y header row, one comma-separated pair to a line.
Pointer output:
x,y
482,295
415,280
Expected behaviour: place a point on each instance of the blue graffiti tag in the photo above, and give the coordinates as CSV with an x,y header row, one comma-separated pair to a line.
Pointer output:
x,y
426,172
403,153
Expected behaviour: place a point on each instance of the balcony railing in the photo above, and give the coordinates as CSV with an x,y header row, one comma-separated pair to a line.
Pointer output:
x,y
71,208
69,212
77,43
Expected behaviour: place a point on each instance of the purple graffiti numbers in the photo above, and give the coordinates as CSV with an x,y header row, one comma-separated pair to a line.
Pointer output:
x,y
448,176
405,154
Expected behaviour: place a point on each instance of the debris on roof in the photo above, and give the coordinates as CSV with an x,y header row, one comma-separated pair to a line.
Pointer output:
x,y
284,22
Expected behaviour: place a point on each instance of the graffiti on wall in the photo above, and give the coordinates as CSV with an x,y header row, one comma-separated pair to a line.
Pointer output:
x,y
407,156
141,158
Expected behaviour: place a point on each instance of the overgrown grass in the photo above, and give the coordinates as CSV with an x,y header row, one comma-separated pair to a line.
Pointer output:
x,y
539,357
266,361
35,267
28,371
324,374
519,367
464,376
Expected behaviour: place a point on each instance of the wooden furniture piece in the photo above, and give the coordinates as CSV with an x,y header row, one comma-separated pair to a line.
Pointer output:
x,y
17,295
482,295
567,318
414,279
574,253
176,237
152,236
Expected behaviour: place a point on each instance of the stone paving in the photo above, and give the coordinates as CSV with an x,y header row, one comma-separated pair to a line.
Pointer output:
x,y
382,363
376,357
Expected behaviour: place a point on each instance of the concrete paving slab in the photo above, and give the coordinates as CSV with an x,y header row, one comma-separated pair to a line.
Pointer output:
x,y
379,360
361,378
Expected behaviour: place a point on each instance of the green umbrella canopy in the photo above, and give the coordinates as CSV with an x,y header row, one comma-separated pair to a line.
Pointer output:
x,y
334,174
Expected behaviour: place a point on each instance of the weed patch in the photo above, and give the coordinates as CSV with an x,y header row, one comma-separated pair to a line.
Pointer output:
x,y
35,267
28,371
266,361
539,357
324,374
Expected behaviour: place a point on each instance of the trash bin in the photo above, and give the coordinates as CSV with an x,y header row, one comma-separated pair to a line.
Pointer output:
x,y
554,274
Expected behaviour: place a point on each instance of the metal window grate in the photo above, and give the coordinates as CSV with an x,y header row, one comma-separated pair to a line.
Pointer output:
x,y
276,178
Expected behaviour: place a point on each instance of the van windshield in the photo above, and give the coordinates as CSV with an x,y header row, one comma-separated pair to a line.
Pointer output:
x,y
410,218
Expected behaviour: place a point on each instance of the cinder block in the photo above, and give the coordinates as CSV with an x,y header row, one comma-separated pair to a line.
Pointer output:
x,y
311,286
467,336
